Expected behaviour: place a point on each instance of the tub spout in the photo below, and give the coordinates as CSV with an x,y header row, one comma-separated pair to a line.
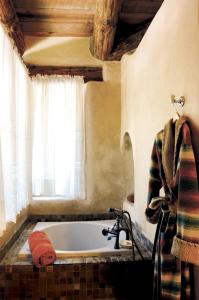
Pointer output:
x,y
117,235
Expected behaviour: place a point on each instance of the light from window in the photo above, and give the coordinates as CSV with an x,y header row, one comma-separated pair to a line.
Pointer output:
x,y
58,164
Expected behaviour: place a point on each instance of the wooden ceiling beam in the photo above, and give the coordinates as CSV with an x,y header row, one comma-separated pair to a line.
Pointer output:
x,y
10,20
89,73
55,15
105,24
53,4
135,18
141,6
136,11
129,44
45,29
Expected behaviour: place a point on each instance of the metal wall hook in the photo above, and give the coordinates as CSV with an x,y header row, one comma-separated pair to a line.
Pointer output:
x,y
180,101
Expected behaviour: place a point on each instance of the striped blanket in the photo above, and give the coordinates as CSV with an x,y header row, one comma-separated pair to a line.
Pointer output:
x,y
173,168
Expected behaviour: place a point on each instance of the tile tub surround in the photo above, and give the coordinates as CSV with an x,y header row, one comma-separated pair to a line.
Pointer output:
x,y
18,239
33,219
68,218
111,277
11,257
83,280
141,237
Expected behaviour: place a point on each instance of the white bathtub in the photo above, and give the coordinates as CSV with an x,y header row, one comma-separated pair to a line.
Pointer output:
x,y
72,239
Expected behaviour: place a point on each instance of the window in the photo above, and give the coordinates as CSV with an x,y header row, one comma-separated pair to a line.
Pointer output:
x,y
58,158
45,135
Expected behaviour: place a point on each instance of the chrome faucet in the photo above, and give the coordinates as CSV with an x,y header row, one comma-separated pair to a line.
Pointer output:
x,y
115,232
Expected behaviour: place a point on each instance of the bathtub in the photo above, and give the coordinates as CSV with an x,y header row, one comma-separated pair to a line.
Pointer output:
x,y
82,238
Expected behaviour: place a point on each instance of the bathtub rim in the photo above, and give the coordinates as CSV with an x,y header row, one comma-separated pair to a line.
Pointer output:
x,y
25,253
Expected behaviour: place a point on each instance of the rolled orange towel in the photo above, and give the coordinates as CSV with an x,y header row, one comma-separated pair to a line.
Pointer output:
x,y
42,250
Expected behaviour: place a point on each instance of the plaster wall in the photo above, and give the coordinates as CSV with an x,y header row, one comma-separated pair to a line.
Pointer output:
x,y
12,227
166,62
104,161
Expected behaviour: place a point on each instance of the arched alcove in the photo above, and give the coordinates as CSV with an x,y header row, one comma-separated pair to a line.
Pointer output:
x,y
128,167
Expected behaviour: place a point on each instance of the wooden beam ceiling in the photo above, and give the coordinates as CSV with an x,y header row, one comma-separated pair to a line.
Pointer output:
x,y
56,4
10,20
115,26
128,44
136,11
89,73
99,19
132,15
56,18
105,25
70,28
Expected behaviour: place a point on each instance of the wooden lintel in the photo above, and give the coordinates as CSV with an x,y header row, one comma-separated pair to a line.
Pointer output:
x,y
129,44
10,20
89,73
105,24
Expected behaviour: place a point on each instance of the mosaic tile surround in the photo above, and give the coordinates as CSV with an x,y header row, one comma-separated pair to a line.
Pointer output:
x,y
111,277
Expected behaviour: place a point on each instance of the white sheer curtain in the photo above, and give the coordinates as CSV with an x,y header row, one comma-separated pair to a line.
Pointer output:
x,y
58,165
15,148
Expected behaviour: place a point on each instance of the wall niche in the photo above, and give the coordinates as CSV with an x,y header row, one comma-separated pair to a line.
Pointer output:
x,y
127,151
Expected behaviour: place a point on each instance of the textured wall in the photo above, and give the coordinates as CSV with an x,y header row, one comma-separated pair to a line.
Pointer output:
x,y
165,63
104,161
12,228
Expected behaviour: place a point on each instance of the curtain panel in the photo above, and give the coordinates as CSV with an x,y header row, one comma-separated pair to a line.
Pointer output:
x,y
42,135
15,145
58,158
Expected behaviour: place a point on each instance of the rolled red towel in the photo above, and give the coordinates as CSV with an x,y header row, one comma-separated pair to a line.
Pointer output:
x,y
42,250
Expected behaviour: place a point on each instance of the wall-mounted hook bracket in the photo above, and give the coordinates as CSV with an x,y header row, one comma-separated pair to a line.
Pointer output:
x,y
180,101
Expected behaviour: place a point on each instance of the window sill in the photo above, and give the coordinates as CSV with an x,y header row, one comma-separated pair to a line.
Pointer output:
x,y
51,198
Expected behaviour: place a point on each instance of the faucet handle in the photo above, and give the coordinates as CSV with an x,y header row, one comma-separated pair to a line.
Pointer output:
x,y
105,231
